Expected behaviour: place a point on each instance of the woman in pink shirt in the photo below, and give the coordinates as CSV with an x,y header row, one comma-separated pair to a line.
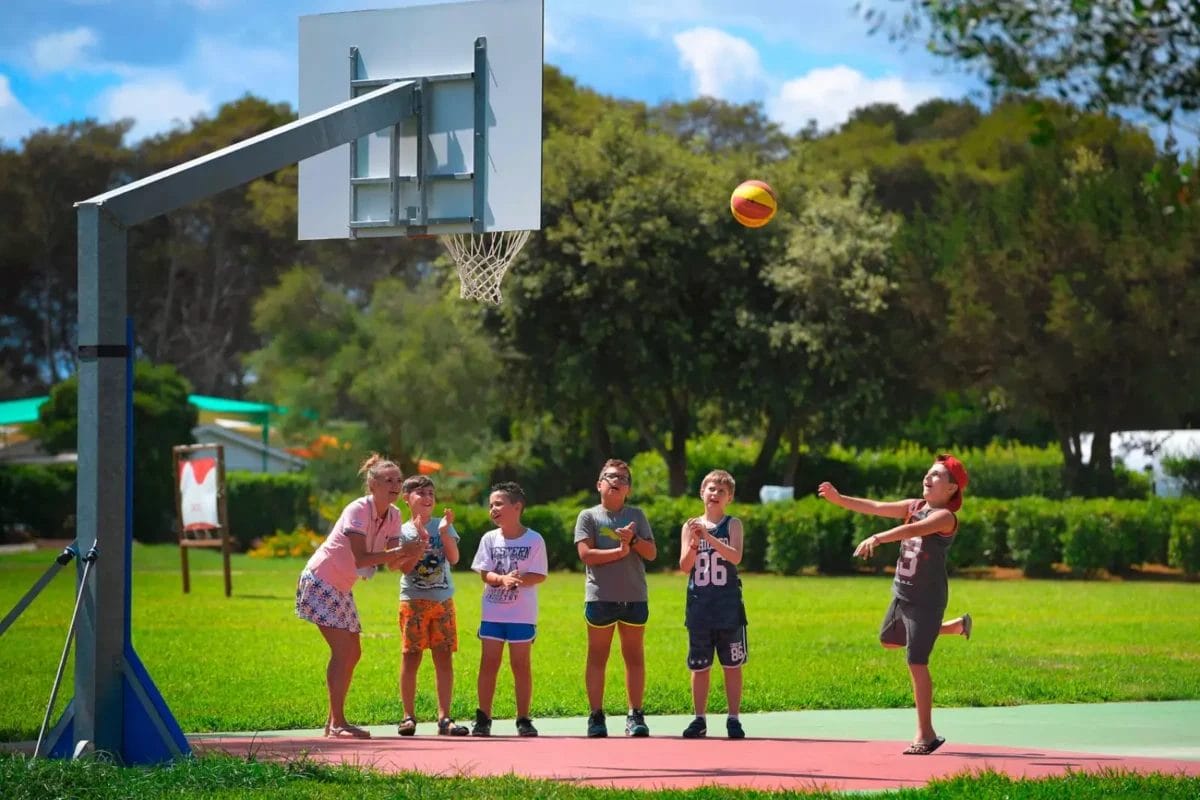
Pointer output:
x,y
354,548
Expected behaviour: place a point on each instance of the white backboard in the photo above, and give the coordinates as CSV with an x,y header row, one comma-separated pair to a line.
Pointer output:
x,y
370,188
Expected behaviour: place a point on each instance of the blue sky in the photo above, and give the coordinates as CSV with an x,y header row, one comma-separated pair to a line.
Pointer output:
x,y
163,62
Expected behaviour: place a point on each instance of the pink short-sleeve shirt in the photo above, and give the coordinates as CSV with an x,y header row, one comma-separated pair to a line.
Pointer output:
x,y
334,560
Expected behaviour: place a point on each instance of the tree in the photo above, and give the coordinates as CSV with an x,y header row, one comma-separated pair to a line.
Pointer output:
x,y
622,313
1100,53
38,186
1069,289
709,125
410,361
832,343
162,418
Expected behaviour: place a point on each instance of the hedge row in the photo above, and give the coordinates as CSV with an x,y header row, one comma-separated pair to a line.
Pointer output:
x,y
41,498
1033,534
998,470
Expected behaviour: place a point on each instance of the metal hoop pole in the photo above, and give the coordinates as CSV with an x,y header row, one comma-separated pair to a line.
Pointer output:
x,y
63,558
88,560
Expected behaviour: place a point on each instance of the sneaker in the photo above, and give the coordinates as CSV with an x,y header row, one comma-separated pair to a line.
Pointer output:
x,y
525,727
696,729
448,727
966,623
483,724
733,728
635,724
596,727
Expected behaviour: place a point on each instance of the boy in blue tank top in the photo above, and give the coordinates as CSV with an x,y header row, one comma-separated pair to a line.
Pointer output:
x,y
920,589
710,550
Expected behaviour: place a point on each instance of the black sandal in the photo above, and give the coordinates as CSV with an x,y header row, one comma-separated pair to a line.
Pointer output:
x,y
447,727
924,748
408,726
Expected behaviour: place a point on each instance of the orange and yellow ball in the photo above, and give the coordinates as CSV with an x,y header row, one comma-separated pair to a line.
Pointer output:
x,y
753,203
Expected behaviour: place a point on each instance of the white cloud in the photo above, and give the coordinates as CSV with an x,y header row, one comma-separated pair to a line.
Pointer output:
x,y
16,121
555,38
158,103
722,65
228,69
829,94
67,50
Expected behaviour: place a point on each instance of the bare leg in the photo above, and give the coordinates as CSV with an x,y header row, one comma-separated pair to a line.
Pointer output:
x,y
633,651
733,689
518,661
344,652
700,681
490,656
923,695
599,644
443,665
952,628
410,665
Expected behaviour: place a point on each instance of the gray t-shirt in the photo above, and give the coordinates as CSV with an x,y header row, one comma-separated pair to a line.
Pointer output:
x,y
430,579
623,580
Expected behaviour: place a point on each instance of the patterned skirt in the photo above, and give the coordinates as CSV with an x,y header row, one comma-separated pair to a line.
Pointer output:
x,y
318,602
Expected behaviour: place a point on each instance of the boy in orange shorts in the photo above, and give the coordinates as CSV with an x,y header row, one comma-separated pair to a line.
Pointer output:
x,y
427,618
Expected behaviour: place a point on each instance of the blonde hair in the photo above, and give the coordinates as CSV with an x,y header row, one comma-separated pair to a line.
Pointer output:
x,y
721,478
374,465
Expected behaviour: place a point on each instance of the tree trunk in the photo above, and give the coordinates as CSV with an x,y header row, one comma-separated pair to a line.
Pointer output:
x,y
1101,464
766,455
793,462
677,454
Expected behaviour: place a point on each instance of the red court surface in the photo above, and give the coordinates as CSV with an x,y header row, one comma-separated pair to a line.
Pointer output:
x,y
675,763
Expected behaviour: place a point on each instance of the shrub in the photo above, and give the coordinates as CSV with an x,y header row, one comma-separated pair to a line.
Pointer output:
x,y
1087,541
300,543
1185,539
1034,533
40,498
259,504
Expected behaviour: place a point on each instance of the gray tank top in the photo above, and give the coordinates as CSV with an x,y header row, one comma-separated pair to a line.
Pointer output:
x,y
921,567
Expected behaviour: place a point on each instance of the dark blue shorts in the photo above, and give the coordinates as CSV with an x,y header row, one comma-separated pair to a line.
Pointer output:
x,y
516,632
728,643
606,613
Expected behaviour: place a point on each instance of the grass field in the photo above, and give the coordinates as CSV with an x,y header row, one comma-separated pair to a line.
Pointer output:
x,y
233,779
247,663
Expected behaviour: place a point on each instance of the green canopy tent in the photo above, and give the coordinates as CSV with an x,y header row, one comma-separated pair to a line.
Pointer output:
x,y
24,411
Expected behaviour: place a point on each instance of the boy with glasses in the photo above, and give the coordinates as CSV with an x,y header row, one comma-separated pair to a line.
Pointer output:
x,y
614,542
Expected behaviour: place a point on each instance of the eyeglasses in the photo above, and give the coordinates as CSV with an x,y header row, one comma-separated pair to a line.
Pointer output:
x,y
616,478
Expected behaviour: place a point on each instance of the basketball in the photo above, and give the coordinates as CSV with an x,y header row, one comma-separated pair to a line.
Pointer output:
x,y
753,203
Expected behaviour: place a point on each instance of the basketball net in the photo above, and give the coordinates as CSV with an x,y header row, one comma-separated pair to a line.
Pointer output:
x,y
482,259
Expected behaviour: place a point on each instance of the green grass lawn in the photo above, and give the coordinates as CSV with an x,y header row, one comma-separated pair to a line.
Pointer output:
x,y
230,779
246,663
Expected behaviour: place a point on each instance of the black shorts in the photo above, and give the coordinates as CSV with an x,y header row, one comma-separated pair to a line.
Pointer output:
x,y
915,627
729,644
606,613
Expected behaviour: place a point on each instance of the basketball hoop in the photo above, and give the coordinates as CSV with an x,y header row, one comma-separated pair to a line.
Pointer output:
x,y
482,259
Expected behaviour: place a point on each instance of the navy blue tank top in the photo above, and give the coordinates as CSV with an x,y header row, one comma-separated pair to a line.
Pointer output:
x,y
714,590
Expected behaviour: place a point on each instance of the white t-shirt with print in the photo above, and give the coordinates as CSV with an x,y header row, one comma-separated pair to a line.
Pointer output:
x,y
526,553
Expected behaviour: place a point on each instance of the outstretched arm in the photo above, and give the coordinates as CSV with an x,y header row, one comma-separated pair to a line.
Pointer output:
x,y
896,510
939,521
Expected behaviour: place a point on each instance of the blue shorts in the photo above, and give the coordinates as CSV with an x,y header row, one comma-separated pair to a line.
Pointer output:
x,y
728,643
513,632
606,613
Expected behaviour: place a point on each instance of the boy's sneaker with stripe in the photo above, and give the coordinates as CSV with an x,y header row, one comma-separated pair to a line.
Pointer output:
x,y
696,729
635,724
